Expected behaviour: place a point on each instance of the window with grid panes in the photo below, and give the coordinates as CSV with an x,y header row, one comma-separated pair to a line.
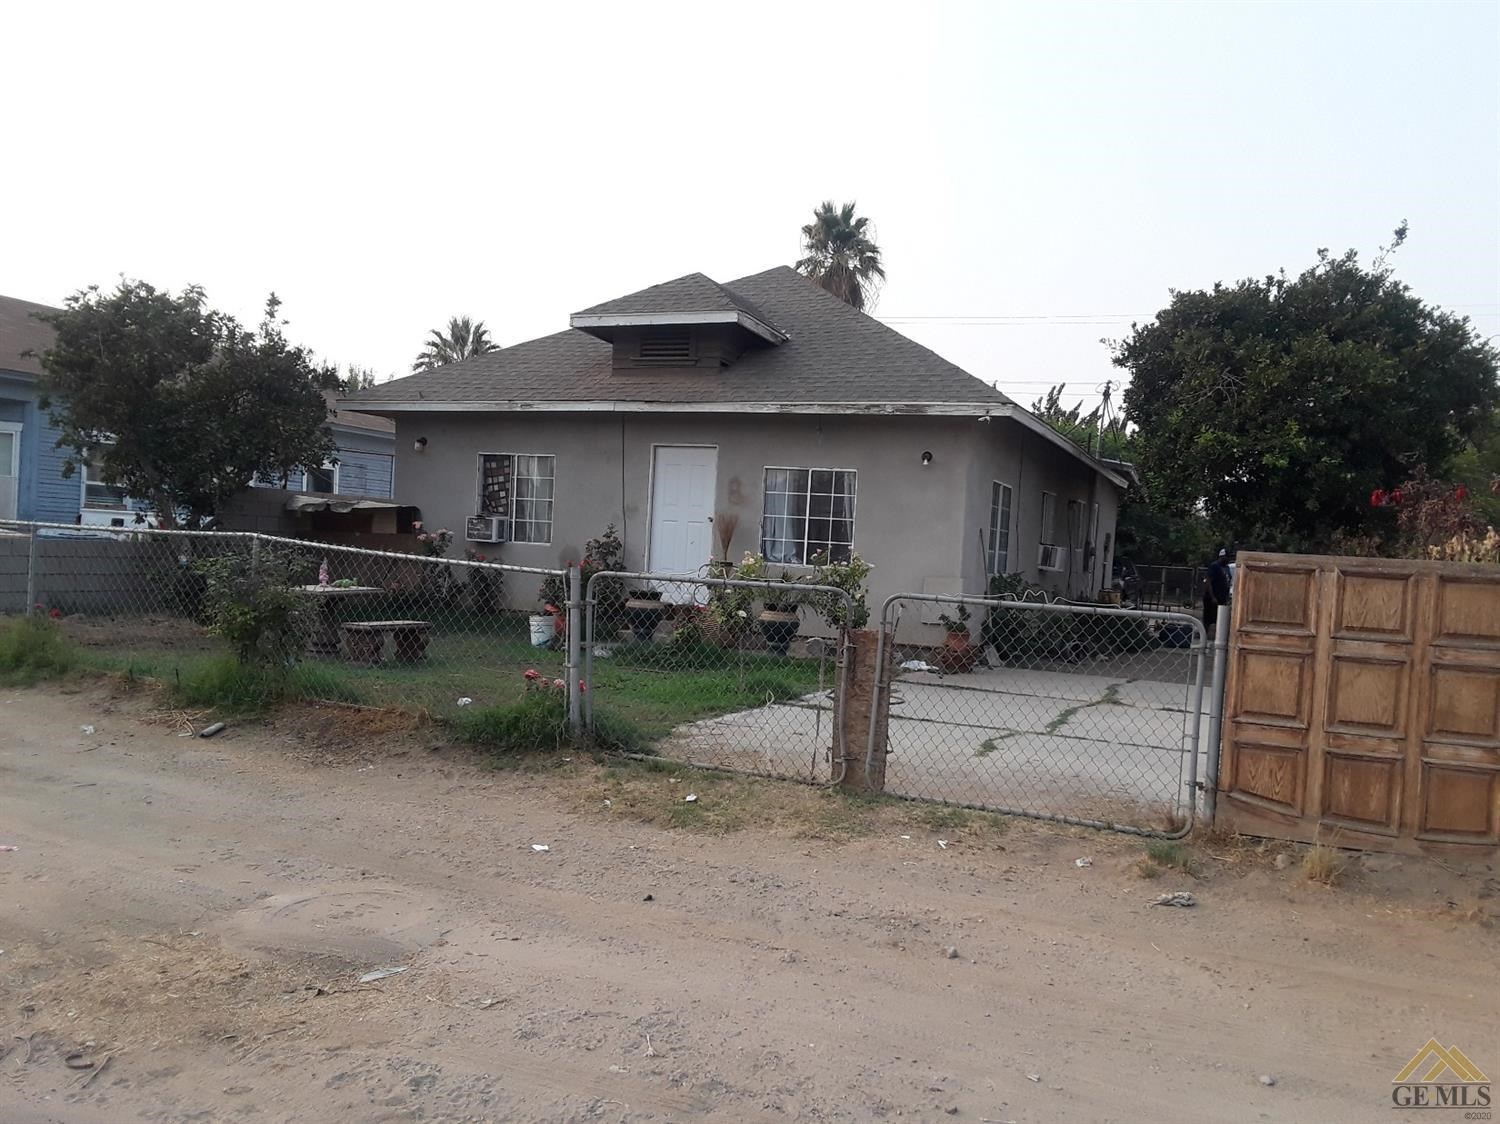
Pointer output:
x,y
807,511
520,487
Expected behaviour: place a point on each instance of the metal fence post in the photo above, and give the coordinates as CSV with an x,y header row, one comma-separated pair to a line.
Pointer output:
x,y
1216,712
575,649
31,572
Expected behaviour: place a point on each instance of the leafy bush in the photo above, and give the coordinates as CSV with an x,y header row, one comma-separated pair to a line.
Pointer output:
x,y
605,554
255,605
485,586
32,649
850,577
728,605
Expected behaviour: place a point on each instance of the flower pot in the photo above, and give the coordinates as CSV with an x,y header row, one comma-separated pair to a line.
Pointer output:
x,y
779,629
958,653
643,614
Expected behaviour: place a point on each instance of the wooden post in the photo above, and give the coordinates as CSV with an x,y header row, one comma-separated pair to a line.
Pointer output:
x,y
851,713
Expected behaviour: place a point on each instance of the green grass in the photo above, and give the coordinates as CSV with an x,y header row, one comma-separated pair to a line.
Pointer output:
x,y
639,694
536,723
1169,854
33,649
940,817
658,688
225,684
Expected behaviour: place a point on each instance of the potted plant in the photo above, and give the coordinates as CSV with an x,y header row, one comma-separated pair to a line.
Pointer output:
x,y
778,619
643,613
958,653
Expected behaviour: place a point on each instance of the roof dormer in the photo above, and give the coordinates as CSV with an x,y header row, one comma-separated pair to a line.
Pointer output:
x,y
690,322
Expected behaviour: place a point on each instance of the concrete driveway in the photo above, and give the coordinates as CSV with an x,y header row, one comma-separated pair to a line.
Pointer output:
x,y
1094,743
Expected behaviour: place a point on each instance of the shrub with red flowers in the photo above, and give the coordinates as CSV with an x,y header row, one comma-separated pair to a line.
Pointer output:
x,y
1430,511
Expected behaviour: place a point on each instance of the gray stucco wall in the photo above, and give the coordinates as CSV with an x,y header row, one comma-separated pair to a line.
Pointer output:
x,y
1032,464
919,527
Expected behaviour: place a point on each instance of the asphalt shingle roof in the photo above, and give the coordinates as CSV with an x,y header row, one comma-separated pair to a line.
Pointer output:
x,y
21,331
835,354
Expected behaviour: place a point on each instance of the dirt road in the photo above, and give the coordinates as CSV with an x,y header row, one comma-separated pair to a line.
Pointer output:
x,y
192,918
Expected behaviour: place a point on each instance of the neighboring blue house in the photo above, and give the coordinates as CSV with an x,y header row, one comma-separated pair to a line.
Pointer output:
x,y
32,484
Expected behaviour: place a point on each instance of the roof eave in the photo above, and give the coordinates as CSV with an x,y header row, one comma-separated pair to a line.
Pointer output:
x,y
593,322
610,405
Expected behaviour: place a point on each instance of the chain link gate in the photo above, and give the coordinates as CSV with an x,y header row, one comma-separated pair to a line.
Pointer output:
x,y
716,672
1079,714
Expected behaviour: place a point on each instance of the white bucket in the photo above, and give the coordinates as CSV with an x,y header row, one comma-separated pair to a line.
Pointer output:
x,y
542,630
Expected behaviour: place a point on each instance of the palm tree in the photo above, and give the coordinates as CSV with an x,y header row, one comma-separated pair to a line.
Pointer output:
x,y
840,256
463,339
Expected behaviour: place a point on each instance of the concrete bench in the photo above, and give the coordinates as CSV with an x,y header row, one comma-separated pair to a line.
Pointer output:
x,y
364,641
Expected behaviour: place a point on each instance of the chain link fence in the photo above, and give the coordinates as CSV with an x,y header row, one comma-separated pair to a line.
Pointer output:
x,y
1081,714
1084,714
418,630
739,675
1164,587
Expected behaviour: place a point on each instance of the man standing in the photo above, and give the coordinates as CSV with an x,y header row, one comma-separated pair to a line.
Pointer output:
x,y
1216,589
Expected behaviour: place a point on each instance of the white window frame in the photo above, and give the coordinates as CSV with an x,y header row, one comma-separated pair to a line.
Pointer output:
x,y
999,560
16,429
330,467
510,515
807,509
83,491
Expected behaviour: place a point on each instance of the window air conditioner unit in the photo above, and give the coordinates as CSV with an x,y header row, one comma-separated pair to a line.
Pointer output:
x,y
1049,557
488,528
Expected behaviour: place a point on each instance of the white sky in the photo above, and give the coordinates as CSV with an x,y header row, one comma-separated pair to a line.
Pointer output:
x,y
384,166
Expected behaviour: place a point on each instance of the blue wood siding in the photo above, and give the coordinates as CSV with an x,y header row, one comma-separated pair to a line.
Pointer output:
x,y
43,494
366,460
365,474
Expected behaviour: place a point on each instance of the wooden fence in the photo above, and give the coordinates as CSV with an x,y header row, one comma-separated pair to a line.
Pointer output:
x,y
1363,704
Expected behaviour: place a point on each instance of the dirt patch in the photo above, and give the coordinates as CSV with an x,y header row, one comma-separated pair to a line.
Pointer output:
x,y
199,913
157,634
327,733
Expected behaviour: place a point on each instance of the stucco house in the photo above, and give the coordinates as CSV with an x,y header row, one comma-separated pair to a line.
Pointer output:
x,y
765,399
32,484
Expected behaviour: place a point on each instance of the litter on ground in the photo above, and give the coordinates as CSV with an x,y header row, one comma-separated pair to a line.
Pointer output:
x,y
381,973
1181,897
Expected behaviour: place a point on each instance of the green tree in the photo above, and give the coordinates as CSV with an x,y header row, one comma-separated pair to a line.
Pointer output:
x,y
1100,431
1276,406
840,255
355,378
462,339
179,404
1478,469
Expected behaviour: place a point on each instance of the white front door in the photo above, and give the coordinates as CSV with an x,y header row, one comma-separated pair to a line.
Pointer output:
x,y
683,478
10,468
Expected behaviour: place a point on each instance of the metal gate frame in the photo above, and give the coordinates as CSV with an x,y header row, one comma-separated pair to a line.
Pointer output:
x,y
1200,652
841,648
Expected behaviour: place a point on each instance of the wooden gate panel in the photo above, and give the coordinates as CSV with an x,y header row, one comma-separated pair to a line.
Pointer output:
x,y
1272,685
1364,703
